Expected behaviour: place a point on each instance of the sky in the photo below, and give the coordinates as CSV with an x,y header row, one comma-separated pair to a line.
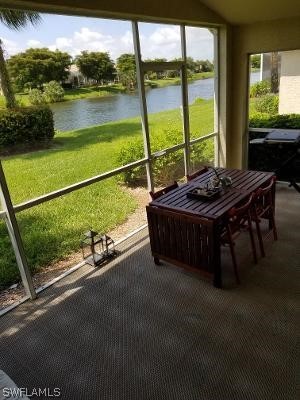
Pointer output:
x,y
75,34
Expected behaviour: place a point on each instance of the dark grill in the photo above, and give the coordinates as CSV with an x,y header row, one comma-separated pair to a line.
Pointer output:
x,y
278,151
283,136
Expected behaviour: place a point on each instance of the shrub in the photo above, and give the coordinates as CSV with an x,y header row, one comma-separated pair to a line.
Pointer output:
x,y
284,121
152,76
130,152
53,92
172,74
198,100
25,126
167,167
202,153
259,89
36,97
268,104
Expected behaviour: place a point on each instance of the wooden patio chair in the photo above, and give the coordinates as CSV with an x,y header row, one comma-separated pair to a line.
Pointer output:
x,y
167,189
237,220
264,208
197,173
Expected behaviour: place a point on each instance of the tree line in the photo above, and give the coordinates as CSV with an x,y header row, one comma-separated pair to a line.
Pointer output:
x,y
15,20
43,70
37,66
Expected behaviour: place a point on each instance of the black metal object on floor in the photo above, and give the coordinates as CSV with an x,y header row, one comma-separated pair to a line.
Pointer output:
x,y
96,248
278,151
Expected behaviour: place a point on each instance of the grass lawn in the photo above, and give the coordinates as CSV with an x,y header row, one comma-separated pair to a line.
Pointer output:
x,y
93,91
176,81
22,99
156,83
202,75
52,230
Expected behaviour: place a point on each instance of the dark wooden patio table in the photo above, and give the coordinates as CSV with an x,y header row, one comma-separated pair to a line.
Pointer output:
x,y
186,232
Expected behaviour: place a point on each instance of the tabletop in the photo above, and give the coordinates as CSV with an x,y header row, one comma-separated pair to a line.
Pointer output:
x,y
244,182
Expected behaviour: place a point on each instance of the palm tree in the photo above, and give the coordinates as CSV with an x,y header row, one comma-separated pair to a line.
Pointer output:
x,y
13,19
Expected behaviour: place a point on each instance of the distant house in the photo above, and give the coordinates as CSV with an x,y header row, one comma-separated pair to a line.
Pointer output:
x,y
76,78
289,88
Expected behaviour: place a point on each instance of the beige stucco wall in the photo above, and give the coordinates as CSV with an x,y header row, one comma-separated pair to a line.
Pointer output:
x,y
289,89
247,39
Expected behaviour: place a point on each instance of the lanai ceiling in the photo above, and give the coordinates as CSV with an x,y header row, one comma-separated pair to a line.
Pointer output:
x,y
239,12
236,12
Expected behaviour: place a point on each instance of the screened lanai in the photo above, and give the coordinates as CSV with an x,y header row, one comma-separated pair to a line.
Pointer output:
x,y
235,36
192,139
145,331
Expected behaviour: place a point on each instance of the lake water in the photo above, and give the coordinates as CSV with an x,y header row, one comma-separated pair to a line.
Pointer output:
x,y
87,112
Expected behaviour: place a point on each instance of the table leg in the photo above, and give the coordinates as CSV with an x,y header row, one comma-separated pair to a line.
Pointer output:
x,y
216,256
156,261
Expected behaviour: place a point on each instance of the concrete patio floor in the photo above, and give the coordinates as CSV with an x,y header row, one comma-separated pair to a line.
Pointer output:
x,y
134,330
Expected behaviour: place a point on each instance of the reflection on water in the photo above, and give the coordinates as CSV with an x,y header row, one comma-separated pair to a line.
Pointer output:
x,y
87,112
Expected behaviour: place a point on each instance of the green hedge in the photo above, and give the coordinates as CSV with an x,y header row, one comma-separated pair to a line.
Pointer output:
x,y
284,121
259,89
268,104
168,167
25,126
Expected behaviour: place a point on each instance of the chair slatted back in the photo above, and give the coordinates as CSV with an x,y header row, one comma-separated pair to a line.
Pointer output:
x,y
167,189
197,173
264,208
238,216
263,201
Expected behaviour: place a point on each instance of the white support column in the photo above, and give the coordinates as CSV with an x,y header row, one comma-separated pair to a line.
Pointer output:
x,y
143,104
15,237
185,103
216,97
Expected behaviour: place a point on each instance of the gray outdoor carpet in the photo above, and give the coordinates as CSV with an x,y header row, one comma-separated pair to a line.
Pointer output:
x,y
134,330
